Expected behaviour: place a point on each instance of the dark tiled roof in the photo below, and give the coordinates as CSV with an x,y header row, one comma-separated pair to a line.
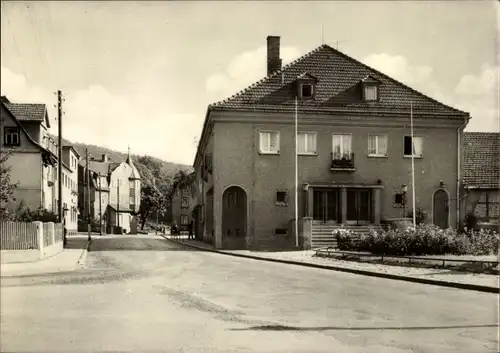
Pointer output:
x,y
338,89
70,147
135,173
50,156
481,153
98,167
123,208
28,111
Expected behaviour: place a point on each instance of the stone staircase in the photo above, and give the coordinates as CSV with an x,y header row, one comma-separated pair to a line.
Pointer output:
x,y
322,237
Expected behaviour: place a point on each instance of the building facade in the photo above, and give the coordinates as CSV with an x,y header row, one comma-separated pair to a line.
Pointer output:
x,y
71,158
481,179
182,204
115,195
24,132
354,152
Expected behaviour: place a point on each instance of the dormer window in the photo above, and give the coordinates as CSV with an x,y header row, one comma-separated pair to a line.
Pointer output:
x,y
371,93
306,86
307,90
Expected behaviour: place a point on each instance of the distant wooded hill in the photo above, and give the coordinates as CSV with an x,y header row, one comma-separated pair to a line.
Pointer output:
x,y
157,178
97,151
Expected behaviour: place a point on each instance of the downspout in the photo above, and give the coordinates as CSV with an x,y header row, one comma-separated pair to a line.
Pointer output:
x,y
42,196
459,158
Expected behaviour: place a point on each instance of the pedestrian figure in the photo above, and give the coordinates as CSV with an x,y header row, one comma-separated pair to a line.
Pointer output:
x,y
191,226
65,231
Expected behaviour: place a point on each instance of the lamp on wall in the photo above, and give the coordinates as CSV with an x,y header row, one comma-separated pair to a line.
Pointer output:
x,y
442,184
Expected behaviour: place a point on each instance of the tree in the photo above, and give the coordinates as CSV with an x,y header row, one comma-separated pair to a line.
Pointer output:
x,y
156,183
183,180
7,187
152,200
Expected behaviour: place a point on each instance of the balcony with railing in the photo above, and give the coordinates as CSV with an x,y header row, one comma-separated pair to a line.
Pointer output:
x,y
342,162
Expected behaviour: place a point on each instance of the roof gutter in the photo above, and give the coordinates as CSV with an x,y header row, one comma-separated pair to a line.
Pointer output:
x,y
459,158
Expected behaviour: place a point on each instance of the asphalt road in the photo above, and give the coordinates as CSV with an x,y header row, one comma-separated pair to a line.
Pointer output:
x,y
144,293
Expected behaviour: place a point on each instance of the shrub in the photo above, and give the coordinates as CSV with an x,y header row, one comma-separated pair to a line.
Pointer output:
x,y
423,240
24,214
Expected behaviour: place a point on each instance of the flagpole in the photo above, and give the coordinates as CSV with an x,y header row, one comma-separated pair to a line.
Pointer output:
x,y
413,166
296,177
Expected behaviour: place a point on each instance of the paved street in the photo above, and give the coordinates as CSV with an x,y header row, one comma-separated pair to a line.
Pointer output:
x,y
144,293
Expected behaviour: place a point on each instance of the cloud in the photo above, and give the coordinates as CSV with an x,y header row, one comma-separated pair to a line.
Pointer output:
x,y
476,94
245,69
115,120
479,94
398,67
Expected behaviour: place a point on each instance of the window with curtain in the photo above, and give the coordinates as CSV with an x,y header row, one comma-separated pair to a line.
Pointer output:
x,y
417,146
269,142
341,146
377,145
306,142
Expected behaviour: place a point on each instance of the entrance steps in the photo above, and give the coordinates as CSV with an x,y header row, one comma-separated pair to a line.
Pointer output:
x,y
322,236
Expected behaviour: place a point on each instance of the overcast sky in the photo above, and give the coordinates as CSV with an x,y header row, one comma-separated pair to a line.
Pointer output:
x,y
142,73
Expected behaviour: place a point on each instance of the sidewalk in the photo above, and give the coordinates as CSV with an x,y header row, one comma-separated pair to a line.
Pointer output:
x,y
66,260
442,277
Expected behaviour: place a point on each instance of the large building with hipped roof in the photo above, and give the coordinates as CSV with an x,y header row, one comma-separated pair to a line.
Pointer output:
x,y
348,164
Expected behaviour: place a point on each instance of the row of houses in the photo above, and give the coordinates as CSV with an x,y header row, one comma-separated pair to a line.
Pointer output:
x,y
34,168
355,152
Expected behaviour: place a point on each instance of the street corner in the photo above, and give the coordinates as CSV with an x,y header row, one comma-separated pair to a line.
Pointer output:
x,y
83,256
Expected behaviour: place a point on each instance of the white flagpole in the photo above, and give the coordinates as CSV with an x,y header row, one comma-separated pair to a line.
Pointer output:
x,y
296,177
413,166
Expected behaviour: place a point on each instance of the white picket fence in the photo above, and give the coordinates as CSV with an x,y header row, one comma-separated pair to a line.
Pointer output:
x,y
24,235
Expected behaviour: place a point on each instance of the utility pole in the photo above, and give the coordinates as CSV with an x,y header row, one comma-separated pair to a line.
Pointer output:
x,y
59,157
87,175
100,206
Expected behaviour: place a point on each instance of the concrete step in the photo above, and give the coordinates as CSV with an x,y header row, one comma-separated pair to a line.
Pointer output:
x,y
315,245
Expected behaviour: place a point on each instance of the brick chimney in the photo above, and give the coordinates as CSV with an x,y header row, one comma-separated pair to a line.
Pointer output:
x,y
104,158
273,54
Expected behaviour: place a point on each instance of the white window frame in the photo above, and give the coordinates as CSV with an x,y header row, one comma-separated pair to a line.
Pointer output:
x,y
377,152
15,134
184,217
342,152
421,155
315,147
366,88
184,202
269,132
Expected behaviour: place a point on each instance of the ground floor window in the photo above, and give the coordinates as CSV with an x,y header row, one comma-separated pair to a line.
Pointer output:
x,y
487,207
184,220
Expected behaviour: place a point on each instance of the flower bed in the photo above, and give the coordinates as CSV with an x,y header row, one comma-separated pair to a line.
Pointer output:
x,y
423,240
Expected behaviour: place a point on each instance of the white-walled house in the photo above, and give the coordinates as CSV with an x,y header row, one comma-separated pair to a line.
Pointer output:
x,y
34,160
115,192
70,157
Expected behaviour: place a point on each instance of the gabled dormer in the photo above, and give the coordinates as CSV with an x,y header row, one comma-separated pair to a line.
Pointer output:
x,y
370,89
306,86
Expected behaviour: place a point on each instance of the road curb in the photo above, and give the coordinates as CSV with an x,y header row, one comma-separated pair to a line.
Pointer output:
x,y
468,286
83,256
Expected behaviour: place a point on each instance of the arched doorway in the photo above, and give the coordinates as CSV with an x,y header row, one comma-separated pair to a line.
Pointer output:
x,y
441,209
234,218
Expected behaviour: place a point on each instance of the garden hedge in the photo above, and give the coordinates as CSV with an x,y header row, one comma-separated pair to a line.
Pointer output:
x,y
422,240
